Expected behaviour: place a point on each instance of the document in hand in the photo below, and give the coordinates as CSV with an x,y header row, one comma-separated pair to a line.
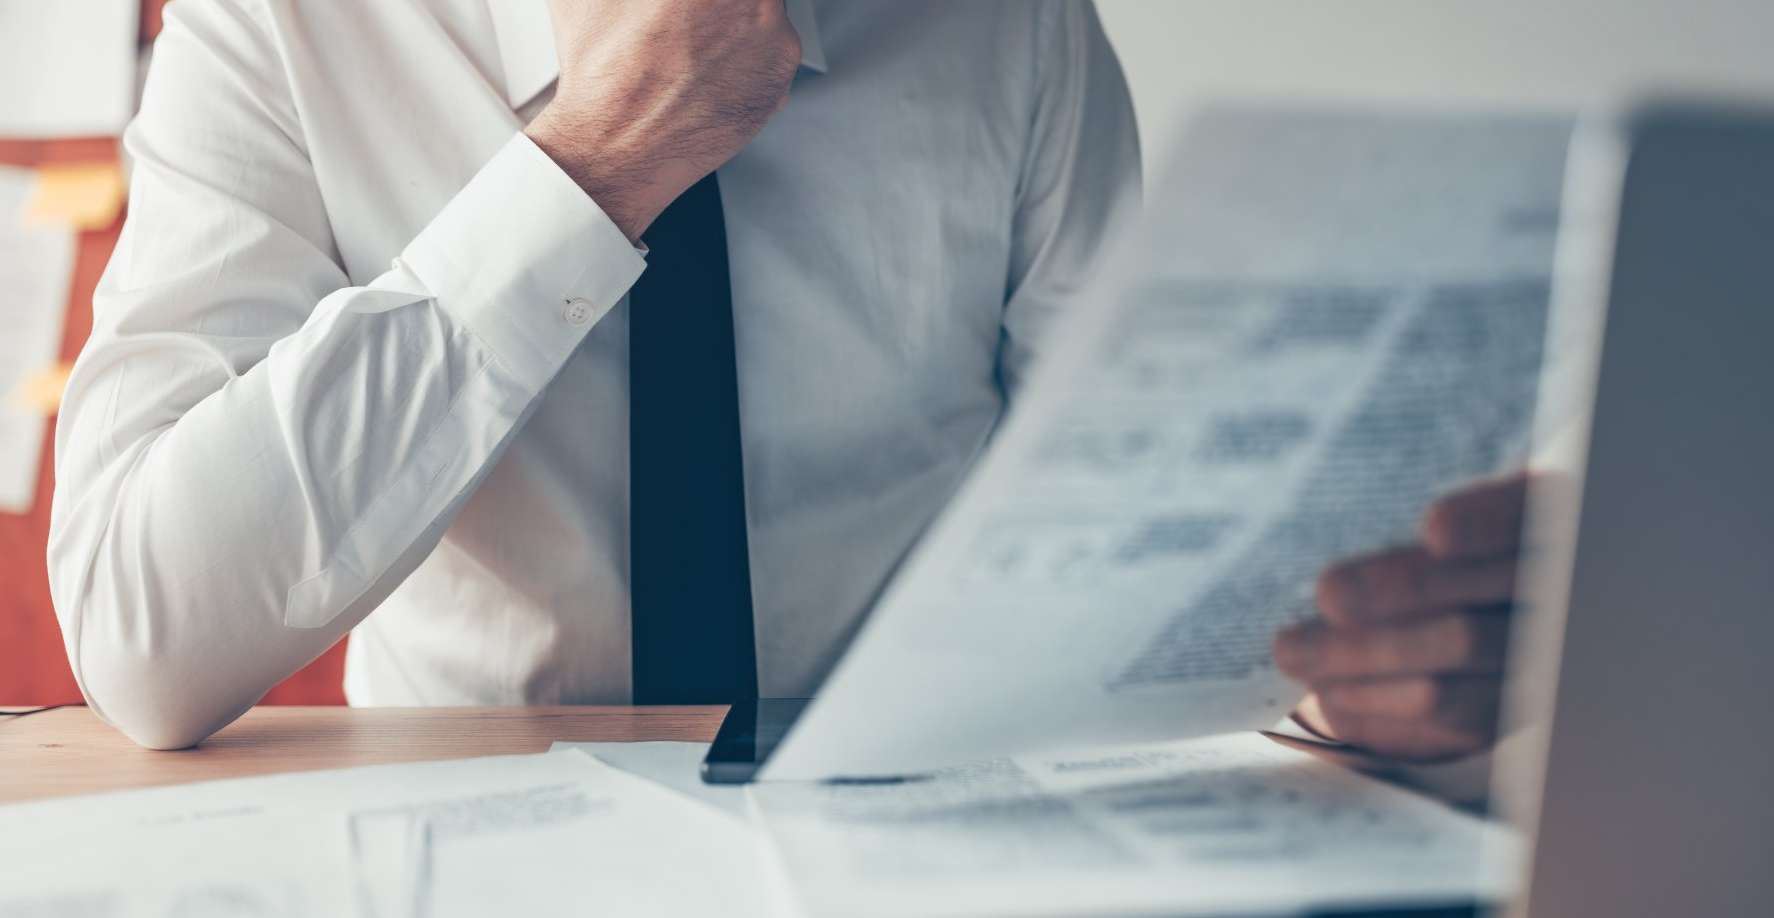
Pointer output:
x,y
1322,322
1222,826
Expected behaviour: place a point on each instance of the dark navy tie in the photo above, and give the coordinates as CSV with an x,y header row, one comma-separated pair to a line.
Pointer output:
x,y
690,575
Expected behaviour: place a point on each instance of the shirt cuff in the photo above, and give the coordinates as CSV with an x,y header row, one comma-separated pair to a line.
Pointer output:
x,y
525,260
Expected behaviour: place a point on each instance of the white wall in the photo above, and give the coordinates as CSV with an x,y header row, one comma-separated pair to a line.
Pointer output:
x,y
1487,53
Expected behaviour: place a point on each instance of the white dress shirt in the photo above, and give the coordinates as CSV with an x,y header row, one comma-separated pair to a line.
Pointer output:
x,y
359,362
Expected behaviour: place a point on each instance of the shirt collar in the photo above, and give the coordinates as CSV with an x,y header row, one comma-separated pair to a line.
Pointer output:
x,y
526,44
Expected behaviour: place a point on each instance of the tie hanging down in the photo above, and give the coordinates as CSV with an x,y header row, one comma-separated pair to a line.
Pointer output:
x,y
690,575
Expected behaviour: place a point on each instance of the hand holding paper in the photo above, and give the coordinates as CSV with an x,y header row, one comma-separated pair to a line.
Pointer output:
x,y
1323,323
1407,657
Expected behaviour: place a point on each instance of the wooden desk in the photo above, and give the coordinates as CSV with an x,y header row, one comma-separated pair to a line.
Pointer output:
x,y
69,751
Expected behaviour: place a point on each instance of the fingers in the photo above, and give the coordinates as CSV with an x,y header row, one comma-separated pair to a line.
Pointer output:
x,y
1408,658
1422,688
1398,583
1481,520
1457,701
1449,642
1421,719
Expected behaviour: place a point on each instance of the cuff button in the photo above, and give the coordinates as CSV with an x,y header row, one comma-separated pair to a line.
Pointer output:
x,y
578,311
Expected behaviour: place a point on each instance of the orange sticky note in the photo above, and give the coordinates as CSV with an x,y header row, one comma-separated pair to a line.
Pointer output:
x,y
84,196
42,391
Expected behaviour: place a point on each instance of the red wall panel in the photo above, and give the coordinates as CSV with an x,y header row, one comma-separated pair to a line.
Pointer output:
x,y
33,666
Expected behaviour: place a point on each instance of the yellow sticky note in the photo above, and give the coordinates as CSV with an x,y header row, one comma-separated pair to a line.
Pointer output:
x,y
84,196
42,391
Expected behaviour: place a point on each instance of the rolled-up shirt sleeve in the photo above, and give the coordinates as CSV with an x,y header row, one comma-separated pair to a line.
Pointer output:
x,y
254,452
1080,180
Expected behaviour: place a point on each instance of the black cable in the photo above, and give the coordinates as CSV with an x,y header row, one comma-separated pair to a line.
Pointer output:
x,y
27,712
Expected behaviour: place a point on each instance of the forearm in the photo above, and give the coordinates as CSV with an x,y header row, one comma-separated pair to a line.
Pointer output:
x,y
222,518
217,555
255,450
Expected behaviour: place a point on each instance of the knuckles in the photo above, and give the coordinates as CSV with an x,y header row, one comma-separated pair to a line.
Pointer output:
x,y
1425,698
791,48
1334,593
1441,524
1379,585
1457,641
770,20
1425,720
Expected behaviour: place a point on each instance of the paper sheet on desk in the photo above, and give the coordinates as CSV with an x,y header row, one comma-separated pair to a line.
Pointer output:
x,y
1223,826
290,865
1323,321
36,267
674,766
558,833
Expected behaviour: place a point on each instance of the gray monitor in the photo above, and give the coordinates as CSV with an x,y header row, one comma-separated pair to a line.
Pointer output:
x,y
1644,679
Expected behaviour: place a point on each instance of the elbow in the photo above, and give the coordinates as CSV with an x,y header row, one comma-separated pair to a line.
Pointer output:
x,y
149,696
138,678
165,680
150,678
164,731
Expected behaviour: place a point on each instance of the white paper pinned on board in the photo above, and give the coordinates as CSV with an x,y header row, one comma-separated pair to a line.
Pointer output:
x,y
68,67
36,268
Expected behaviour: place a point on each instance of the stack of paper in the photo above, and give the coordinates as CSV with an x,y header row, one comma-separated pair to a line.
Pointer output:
x,y
1234,825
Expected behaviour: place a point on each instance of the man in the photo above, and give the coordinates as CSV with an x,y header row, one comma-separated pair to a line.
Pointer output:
x,y
612,427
